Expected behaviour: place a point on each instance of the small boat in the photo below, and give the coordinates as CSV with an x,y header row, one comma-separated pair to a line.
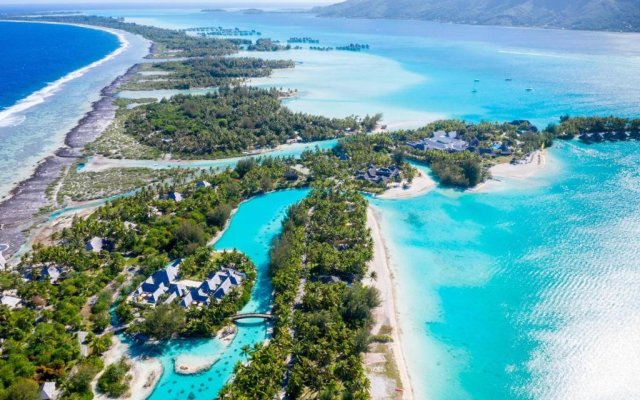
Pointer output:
x,y
476,80
508,79
474,91
529,89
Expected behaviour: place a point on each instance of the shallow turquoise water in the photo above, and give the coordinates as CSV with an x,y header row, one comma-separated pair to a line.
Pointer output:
x,y
525,293
251,231
418,70
530,292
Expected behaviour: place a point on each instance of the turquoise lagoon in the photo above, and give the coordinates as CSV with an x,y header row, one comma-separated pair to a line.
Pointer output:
x,y
251,231
528,292
417,71
292,150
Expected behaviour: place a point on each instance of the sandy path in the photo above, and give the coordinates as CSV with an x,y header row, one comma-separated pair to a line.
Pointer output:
x,y
386,314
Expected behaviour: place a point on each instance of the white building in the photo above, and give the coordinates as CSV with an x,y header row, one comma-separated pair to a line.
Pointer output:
x,y
48,391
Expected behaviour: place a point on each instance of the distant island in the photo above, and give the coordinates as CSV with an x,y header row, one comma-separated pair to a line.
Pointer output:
x,y
611,15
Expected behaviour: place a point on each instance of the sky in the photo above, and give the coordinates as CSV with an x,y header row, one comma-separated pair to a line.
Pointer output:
x,y
227,3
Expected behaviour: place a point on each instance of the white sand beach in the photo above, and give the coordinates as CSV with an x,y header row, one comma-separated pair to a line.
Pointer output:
x,y
188,364
384,387
145,372
421,184
537,162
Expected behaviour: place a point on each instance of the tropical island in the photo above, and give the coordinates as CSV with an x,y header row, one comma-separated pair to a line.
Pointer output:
x,y
616,15
148,253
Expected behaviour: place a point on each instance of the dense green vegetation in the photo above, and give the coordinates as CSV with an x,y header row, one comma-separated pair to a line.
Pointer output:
x,y
612,15
227,123
144,231
267,45
205,72
114,380
327,330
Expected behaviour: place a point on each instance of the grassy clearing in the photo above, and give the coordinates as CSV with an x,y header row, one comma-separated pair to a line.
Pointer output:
x,y
84,186
114,143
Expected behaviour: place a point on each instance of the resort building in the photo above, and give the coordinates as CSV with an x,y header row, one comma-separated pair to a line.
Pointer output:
x,y
441,140
164,287
51,273
97,244
12,302
203,184
48,391
377,175
175,196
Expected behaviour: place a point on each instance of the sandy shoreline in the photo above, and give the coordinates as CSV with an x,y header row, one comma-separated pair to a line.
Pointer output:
x,y
502,173
19,208
421,184
145,373
386,315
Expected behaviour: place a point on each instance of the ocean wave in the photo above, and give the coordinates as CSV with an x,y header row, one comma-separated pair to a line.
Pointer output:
x,y
12,116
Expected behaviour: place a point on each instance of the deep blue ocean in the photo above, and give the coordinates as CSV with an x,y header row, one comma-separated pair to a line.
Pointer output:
x,y
34,55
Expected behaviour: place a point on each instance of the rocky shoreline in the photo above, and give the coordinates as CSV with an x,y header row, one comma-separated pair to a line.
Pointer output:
x,y
19,212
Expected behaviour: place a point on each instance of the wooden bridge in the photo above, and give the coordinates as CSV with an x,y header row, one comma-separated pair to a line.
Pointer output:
x,y
238,317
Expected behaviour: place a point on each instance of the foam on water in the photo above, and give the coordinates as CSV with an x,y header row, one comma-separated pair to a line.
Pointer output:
x,y
34,127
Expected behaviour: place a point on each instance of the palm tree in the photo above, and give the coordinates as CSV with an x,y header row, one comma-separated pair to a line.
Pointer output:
x,y
373,276
246,350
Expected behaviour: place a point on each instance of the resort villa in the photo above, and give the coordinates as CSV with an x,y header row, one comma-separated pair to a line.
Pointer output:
x,y
175,196
165,287
441,140
451,142
48,391
203,184
377,175
97,244
12,302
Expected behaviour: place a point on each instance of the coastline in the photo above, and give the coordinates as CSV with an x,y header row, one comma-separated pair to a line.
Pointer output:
x,y
145,372
49,90
19,208
538,162
421,184
383,387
